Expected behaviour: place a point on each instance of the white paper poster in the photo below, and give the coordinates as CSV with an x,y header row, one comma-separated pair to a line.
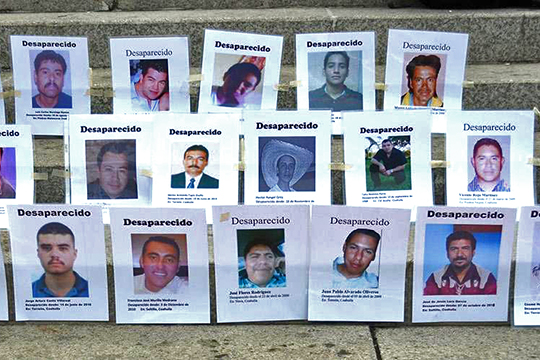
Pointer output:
x,y
388,159
336,71
150,74
488,154
59,269
261,262
462,260
287,157
240,71
53,77
527,281
357,263
16,168
4,310
195,162
425,69
160,265
110,160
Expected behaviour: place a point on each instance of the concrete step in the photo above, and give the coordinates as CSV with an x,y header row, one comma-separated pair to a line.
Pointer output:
x,y
496,36
487,87
134,5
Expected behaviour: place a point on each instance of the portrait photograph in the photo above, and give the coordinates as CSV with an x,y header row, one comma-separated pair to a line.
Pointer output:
x,y
160,263
461,259
261,258
286,164
195,165
388,163
8,173
149,84
238,81
51,79
423,80
535,262
335,80
357,265
111,171
488,163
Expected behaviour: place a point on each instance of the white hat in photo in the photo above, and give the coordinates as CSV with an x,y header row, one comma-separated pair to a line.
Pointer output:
x,y
275,149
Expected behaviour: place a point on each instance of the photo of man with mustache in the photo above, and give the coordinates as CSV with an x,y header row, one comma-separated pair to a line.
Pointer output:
x,y
57,253
49,71
196,159
461,276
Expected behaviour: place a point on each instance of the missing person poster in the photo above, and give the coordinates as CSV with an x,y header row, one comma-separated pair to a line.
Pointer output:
x,y
110,161
160,265
16,168
527,282
425,69
387,159
287,157
53,77
336,71
261,262
357,263
150,74
240,71
462,260
195,163
4,305
65,277
488,154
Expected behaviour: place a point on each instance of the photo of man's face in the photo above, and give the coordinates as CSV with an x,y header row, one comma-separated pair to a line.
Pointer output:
x,y
160,263
336,70
423,84
194,162
113,174
285,168
260,264
358,253
488,163
49,78
153,84
56,252
460,253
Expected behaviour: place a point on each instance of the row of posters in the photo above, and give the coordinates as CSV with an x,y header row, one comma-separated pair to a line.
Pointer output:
x,y
143,160
286,157
340,263
335,71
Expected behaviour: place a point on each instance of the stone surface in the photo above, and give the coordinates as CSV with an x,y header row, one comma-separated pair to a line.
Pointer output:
x,y
134,5
101,341
36,6
496,36
457,342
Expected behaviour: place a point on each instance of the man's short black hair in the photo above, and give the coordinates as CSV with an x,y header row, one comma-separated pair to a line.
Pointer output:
x,y
423,60
367,232
387,140
198,148
116,147
342,53
260,241
163,240
240,70
49,55
55,228
461,235
160,65
487,142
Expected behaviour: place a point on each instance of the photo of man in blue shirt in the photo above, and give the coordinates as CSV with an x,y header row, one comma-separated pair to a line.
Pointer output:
x,y
57,253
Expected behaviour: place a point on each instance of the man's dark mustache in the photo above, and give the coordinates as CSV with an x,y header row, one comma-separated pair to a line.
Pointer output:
x,y
193,166
52,84
56,261
460,258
